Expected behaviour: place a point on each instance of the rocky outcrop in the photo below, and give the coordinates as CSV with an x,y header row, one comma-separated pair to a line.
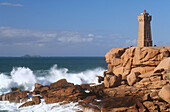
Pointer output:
x,y
111,80
63,91
58,91
36,100
163,66
132,78
125,61
138,59
30,103
165,93
138,91
14,96
145,75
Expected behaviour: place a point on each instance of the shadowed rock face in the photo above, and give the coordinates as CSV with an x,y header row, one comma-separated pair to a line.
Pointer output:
x,y
117,102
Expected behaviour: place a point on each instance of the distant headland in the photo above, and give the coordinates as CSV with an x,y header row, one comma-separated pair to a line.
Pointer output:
x,y
30,56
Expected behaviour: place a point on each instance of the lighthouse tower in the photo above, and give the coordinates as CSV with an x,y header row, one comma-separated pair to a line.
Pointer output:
x,y
144,32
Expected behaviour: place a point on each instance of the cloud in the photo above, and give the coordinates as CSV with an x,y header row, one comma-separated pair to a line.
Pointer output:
x,y
10,4
15,41
90,35
74,39
40,38
13,32
131,42
99,36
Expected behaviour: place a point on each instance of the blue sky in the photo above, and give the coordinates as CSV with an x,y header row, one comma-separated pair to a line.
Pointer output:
x,y
77,27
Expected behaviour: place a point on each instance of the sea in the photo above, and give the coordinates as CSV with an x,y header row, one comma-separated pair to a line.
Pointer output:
x,y
24,72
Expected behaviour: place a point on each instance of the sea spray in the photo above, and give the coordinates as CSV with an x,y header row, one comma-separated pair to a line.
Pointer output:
x,y
88,76
5,81
25,77
5,84
22,76
3,97
44,71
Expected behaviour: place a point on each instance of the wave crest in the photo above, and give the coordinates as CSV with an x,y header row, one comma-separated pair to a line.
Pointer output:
x,y
26,78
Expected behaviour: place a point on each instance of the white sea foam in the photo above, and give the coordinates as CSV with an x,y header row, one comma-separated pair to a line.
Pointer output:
x,y
23,77
20,77
5,81
26,78
42,107
88,76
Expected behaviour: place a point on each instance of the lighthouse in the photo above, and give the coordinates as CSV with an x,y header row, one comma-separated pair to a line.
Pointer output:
x,y
144,31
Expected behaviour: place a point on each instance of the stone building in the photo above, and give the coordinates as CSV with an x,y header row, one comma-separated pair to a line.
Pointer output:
x,y
144,32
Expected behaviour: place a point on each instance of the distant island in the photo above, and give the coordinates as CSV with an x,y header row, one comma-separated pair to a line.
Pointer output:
x,y
27,56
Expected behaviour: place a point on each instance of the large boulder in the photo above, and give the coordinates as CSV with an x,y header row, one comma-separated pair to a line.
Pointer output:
x,y
36,100
30,103
23,94
146,56
143,70
13,97
14,89
16,96
62,91
98,90
111,80
165,52
164,64
127,58
60,83
150,106
44,88
165,93
37,85
132,78
113,57
37,88
118,71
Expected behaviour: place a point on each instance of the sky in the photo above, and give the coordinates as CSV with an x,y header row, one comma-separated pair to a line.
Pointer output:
x,y
77,27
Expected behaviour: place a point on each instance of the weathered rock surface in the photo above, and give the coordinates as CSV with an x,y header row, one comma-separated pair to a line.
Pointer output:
x,y
30,103
36,100
145,74
15,96
165,93
112,80
150,106
14,89
63,91
163,65
132,78
135,59
61,83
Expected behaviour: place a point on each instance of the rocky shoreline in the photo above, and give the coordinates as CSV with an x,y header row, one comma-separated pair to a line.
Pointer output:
x,y
138,79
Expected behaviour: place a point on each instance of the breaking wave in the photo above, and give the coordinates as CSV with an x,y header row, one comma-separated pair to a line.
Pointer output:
x,y
25,78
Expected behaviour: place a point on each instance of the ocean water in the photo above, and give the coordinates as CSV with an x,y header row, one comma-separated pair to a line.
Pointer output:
x,y
25,72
